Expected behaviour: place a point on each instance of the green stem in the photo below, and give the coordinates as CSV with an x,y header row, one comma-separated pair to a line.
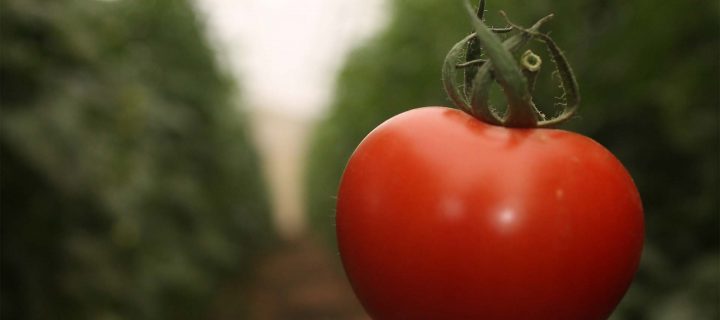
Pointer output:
x,y
568,82
499,65
473,52
485,76
521,111
449,75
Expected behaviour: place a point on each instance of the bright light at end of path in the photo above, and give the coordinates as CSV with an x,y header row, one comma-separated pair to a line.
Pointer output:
x,y
286,56
287,53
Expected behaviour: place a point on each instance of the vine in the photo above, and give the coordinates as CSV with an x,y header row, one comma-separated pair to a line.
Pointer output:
x,y
516,77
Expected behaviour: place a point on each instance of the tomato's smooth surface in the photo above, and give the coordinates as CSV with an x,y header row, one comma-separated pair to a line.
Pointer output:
x,y
441,216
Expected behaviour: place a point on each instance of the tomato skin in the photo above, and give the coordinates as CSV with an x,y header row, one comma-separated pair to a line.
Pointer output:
x,y
441,216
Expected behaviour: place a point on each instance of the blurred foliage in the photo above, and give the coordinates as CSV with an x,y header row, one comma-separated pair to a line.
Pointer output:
x,y
128,183
648,74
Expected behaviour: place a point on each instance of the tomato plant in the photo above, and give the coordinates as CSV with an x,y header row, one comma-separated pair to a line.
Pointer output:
x,y
450,214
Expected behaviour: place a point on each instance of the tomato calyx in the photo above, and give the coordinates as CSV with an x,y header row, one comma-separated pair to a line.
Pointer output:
x,y
515,77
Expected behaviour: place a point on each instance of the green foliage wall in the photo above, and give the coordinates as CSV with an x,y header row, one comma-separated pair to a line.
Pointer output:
x,y
128,183
648,74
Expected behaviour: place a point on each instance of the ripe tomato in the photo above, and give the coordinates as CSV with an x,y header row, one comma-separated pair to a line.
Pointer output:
x,y
441,216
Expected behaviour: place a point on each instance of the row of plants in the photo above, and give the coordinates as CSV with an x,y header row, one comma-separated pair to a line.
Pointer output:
x,y
129,186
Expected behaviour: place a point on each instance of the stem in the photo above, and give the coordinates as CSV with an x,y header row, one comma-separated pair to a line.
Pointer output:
x,y
568,83
473,53
448,75
485,76
484,79
521,111
517,78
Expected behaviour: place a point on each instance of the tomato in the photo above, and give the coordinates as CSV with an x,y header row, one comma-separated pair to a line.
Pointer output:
x,y
441,216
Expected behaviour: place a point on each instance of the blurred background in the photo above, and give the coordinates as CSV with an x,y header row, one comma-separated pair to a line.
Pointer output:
x,y
177,159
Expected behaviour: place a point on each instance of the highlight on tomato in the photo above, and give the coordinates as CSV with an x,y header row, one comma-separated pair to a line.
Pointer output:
x,y
470,214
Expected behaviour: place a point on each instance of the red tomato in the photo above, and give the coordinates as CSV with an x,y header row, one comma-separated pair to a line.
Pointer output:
x,y
441,216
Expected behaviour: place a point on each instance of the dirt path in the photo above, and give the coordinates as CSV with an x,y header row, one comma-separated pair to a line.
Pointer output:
x,y
302,280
